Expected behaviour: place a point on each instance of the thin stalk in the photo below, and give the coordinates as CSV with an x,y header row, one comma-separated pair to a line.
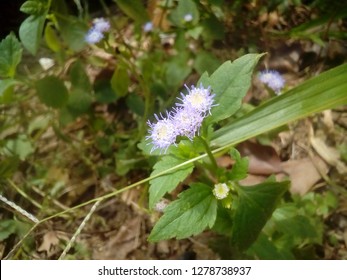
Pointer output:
x,y
112,194
22,193
78,231
209,153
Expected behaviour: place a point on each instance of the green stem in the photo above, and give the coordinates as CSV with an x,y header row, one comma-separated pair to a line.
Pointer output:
x,y
209,152
115,193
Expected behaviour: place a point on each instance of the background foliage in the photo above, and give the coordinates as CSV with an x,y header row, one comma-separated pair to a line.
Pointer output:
x,y
74,119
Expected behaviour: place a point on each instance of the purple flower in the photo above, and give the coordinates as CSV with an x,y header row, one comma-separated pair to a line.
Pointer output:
x,y
96,32
102,25
93,36
187,121
272,79
198,99
184,120
147,27
162,133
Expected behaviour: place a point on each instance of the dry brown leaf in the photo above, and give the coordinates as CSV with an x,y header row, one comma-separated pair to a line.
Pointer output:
x,y
118,246
263,160
224,161
303,173
49,241
329,154
328,120
163,247
251,180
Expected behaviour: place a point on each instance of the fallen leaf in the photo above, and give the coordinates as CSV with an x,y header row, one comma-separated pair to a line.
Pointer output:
x,y
251,180
263,160
329,154
49,241
118,246
304,173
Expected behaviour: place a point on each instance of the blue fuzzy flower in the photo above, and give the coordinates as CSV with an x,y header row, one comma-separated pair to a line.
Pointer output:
x,y
94,36
272,79
102,25
184,120
96,32
163,133
187,121
198,99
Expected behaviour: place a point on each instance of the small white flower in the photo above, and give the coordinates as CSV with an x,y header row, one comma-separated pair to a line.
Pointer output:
x,y
221,190
188,17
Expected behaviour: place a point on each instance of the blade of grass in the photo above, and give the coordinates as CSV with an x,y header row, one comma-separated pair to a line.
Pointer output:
x,y
325,91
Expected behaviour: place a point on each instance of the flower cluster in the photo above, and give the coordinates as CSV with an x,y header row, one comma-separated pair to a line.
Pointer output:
x,y
272,79
96,32
183,120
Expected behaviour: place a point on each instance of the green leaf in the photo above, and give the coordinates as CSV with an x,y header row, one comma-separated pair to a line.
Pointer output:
x,y
21,146
184,8
136,104
32,7
79,102
73,31
194,211
177,69
265,249
213,29
298,230
120,81
134,9
240,167
103,91
78,77
80,97
52,92
30,32
322,92
166,183
230,82
6,90
8,166
7,227
52,39
224,223
11,55
253,207
205,61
